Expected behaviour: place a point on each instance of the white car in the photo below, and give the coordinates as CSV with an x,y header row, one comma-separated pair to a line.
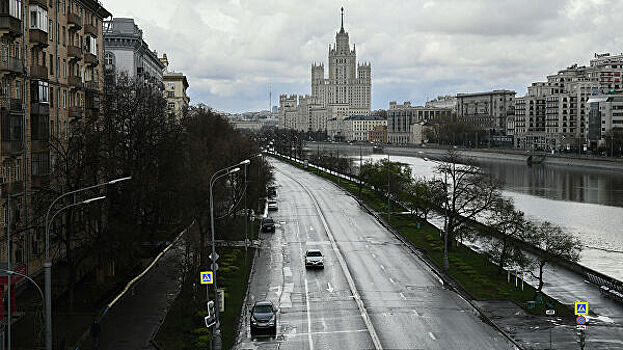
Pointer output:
x,y
272,206
314,258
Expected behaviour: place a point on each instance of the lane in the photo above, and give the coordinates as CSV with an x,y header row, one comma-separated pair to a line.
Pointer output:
x,y
317,310
407,304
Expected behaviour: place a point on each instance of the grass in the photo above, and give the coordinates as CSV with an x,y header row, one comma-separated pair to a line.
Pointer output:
x,y
183,327
474,272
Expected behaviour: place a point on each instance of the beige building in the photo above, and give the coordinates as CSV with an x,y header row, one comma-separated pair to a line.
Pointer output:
x,y
55,82
358,127
402,118
175,86
346,91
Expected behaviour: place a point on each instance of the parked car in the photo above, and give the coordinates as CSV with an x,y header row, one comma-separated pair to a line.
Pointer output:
x,y
263,319
268,225
272,206
314,258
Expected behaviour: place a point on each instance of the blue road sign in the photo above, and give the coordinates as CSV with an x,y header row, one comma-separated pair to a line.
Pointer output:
x,y
581,308
206,277
580,320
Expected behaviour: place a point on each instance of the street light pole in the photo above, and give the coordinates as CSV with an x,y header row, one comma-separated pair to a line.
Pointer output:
x,y
217,175
446,263
47,265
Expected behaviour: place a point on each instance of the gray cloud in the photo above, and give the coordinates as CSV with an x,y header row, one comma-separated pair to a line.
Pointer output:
x,y
232,50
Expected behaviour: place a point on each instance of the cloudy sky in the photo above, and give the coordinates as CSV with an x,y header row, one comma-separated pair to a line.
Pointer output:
x,y
232,50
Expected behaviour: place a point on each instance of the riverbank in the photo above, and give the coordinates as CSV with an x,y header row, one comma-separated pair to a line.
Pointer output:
x,y
435,151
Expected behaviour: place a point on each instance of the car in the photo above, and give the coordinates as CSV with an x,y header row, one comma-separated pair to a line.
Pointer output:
x,y
272,206
314,258
263,319
268,225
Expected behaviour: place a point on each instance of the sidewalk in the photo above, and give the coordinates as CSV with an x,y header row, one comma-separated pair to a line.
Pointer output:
x,y
133,321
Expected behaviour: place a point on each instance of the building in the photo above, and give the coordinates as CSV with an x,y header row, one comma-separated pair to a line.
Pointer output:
x,y
401,118
446,102
345,91
175,86
554,114
487,110
605,112
127,52
357,127
52,76
378,134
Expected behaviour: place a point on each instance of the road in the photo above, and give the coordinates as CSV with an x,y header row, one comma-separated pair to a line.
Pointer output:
x,y
373,292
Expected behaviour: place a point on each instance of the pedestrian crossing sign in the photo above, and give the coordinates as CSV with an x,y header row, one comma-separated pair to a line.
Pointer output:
x,y
206,277
581,308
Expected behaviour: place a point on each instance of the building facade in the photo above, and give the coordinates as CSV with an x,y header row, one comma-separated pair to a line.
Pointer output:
x,y
56,81
447,102
127,52
358,127
344,91
486,110
605,113
378,134
402,118
175,86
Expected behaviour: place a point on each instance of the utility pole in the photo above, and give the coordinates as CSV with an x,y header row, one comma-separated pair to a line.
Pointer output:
x,y
360,164
388,191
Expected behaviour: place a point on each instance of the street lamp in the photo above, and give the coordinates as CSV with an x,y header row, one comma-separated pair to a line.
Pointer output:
x,y
217,175
246,211
446,263
47,265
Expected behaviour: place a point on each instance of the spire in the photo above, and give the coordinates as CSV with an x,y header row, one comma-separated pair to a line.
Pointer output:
x,y
342,28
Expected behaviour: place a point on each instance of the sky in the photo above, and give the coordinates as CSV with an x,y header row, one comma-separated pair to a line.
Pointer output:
x,y
232,51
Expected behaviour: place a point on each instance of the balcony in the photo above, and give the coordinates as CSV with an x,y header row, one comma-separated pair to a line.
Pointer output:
x,y
90,59
74,21
11,147
13,187
74,81
10,25
92,101
42,3
15,105
92,85
12,65
40,108
38,72
38,37
74,53
75,112
90,30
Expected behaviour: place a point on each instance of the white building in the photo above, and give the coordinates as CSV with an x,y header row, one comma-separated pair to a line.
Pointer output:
x,y
402,118
346,91
605,112
447,102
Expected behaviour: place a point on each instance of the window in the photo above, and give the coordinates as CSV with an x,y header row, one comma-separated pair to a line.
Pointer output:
x,y
65,99
170,94
171,105
38,18
64,36
91,44
109,59
15,9
51,30
39,91
51,64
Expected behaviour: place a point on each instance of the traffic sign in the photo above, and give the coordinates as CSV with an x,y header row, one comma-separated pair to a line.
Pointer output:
x,y
580,320
213,257
214,266
581,308
206,277
550,312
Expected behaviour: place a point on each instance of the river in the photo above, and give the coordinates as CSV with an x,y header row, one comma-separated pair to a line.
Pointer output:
x,y
585,202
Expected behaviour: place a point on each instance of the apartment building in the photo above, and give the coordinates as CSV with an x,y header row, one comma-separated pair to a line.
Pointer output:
x,y
487,110
51,77
378,134
175,85
401,118
358,127
605,112
127,53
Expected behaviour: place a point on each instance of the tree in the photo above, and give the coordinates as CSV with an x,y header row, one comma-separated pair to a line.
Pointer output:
x,y
421,197
383,172
471,194
553,244
510,228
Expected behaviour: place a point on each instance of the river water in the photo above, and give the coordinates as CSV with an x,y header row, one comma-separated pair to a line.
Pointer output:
x,y
585,202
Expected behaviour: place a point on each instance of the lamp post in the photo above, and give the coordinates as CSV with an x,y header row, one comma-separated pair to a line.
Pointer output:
x,y
388,191
217,175
446,263
246,210
47,265
10,273
8,264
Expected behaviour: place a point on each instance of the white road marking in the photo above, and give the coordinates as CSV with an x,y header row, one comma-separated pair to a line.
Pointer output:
x,y
382,267
330,289
432,335
391,280
334,332
309,331
374,255
403,296
415,313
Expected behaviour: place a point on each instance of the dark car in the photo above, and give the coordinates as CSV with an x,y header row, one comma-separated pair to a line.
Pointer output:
x,y
268,225
263,319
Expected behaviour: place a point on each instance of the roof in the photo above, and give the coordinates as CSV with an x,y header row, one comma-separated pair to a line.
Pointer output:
x,y
364,117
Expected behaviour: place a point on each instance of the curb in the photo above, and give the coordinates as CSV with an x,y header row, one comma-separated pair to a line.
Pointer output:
x,y
246,294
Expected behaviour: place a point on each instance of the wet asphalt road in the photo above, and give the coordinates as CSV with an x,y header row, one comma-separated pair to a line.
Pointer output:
x,y
372,293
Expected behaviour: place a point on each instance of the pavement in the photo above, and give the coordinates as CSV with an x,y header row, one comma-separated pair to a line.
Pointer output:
x,y
133,321
373,292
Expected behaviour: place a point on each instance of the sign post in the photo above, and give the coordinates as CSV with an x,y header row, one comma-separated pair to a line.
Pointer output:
x,y
206,277
550,312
